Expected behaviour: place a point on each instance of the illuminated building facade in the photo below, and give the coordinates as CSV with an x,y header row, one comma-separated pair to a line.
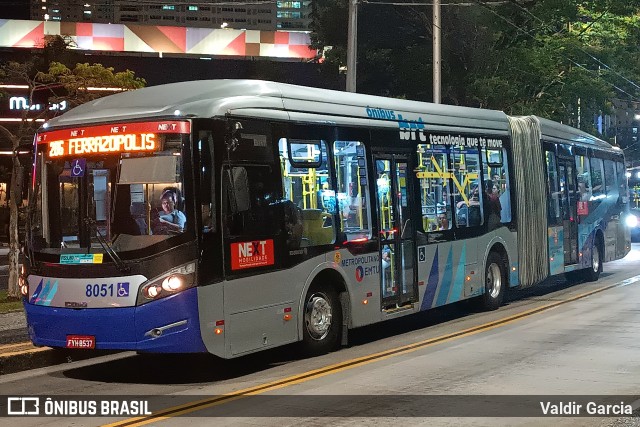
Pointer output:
x,y
276,15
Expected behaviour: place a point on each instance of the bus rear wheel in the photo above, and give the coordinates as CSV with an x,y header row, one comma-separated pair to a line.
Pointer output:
x,y
495,282
322,320
593,273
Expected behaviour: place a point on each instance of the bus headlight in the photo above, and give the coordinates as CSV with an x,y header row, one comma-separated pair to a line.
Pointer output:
x,y
631,221
172,282
23,282
24,285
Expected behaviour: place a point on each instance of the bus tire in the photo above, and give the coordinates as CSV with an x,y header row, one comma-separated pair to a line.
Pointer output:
x,y
495,282
322,320
592,273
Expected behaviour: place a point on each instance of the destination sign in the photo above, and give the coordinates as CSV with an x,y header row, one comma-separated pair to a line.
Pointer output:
x,y
106,139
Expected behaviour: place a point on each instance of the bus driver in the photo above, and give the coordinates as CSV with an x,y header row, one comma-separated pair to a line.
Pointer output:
x,y
170,219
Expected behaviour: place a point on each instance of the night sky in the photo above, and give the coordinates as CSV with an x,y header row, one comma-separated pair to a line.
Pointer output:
x,y
14,9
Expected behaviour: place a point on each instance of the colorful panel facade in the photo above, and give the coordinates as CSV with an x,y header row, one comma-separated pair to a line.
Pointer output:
x,y
148,38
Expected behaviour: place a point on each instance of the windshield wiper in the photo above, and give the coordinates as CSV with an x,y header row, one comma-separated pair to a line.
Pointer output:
x,y
105,245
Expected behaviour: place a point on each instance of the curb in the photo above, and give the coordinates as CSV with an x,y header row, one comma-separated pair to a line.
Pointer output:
x,y
24,356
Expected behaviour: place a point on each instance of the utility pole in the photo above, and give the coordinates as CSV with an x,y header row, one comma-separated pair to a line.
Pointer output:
x,y
352,45
436,52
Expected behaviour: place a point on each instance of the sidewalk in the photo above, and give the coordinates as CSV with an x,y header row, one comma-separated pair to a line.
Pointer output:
x,y
4,265
12,321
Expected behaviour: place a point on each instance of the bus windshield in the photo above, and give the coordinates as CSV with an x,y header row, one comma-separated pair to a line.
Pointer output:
x,y
108,188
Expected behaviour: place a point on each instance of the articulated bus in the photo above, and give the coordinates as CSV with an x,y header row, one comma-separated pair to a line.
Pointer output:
x,y
233,216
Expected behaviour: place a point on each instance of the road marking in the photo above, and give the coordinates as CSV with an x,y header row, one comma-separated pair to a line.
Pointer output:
x,y
353,363
8,346
27,351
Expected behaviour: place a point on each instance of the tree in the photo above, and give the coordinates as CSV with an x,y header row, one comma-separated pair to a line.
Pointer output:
x,y
561,59
53,81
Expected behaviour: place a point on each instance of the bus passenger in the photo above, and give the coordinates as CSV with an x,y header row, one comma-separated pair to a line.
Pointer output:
x,y
584,195
387,283
170,219
494,207
443,221
293,224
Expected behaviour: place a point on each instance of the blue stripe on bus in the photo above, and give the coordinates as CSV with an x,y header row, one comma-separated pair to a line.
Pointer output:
x,y
458,285
447,278
49,296
37,292
122,328
43,293
432,284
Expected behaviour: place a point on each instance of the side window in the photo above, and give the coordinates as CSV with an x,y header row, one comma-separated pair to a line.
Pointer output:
x,y
610,182
497,192
466,179
433,175
308,192
352,195
553,192
597,178
622,182
207,182
249,201
583,173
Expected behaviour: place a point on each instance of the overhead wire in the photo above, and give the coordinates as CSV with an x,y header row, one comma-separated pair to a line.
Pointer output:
x,y
528,33
580,49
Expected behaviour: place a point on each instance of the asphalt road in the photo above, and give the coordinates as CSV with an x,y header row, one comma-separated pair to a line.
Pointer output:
x,y
556,342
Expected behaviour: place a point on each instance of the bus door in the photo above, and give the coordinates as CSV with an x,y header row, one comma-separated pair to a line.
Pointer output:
x,y
397,246
568,193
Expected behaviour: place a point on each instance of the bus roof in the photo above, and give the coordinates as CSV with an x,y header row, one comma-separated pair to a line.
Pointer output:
x,y
256,98
271,100
556,132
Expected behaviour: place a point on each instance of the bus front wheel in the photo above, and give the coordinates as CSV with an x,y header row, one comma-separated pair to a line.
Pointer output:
x,y
322,320
494,282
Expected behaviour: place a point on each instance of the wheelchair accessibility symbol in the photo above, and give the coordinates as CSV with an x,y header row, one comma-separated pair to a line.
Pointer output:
x,y
78,167
123,289
422,254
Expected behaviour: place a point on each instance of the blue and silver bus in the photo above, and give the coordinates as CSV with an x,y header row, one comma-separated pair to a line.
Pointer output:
x,y
232,216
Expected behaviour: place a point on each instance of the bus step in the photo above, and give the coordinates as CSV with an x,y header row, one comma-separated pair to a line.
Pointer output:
x,y
395,308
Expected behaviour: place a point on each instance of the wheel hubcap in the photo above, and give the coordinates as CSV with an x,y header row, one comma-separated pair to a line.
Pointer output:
x,y
318,316
494,280
596,259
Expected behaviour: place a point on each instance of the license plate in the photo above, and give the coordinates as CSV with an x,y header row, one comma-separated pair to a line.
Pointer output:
x,y
81,341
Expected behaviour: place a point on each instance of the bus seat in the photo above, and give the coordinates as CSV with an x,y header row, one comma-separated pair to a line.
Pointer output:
x,y
313,227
